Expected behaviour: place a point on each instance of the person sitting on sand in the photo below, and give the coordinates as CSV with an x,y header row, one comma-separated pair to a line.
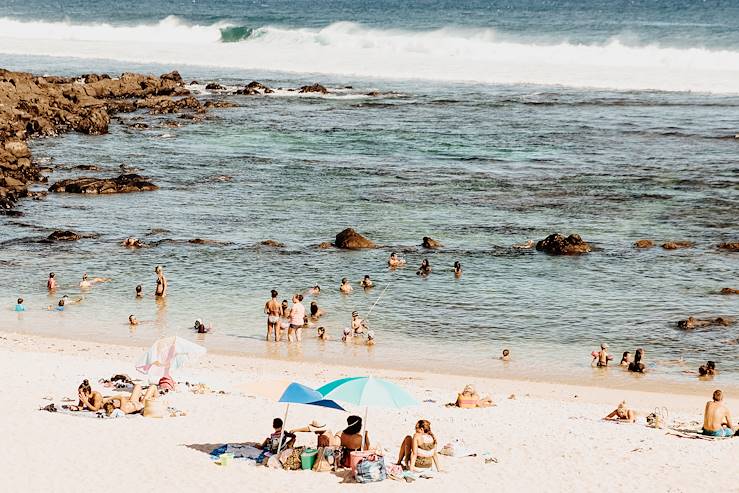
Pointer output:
x,y
419,451
134,403
637,366
139,291
347,335
395,261
506,355
717,418
367,283
359,326
51,282
622,413
457,269
324,436
89,400
272,442
370,337
322,334
351,437
315,312
469,399
86,282
19,307
625,359
425,268
601,358
345,287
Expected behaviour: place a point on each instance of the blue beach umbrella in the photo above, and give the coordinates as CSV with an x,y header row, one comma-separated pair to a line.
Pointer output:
x,y
367,391
297,393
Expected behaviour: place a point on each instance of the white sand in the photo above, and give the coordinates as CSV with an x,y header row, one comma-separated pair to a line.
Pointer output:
x,y
549,438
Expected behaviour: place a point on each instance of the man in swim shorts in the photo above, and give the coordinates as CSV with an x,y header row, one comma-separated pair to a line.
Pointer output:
x,y
359,326
717,418
273,310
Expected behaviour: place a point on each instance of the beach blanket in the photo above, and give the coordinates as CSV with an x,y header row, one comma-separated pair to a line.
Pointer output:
x,y
694,434
98,414
242,451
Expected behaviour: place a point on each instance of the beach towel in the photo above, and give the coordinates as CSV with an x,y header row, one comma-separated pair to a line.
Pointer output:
x,y
242,451
694,434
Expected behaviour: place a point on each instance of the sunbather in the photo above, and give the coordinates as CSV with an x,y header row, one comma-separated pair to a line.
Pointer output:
x,y
89,400
134,403
717,418
419,451
622,413
469,398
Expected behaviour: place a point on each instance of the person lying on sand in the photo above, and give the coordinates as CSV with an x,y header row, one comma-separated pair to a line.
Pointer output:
x,y
134,403
89,400
345,287
469,399
622,413
272,442
86,282
419,451
395,261
717,417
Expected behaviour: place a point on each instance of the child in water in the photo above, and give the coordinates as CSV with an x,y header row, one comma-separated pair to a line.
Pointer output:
x,y
506,355
322,334
19,306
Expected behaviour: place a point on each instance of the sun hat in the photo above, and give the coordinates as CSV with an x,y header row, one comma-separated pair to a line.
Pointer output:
x,y
316,425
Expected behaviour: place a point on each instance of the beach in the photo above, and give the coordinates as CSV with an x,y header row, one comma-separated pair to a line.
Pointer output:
x,y
549,437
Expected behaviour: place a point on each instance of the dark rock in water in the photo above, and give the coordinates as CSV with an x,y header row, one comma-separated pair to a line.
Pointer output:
x,y
676,245
374,94
253,88
316,88
325,245
125,183
87,167
201,241
729,291
350,239
140,125
172,124
430,243
219,104
161,105
174,76
732,246
557,244
272,243
643,244
63,236
214,86
194,83
696,323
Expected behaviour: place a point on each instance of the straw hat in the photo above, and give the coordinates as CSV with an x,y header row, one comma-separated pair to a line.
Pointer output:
x,y
316,426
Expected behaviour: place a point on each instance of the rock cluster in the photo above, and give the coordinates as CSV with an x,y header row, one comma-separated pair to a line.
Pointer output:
x,y
350,239
695,323
126,183
732,246
557,244
676,245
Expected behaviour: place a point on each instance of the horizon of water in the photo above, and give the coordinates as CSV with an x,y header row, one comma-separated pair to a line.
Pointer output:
x,y
479,165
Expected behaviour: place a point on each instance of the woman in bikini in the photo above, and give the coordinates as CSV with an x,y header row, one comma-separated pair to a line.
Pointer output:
x,y
469,399
419,451
135,402
622,413
89,400
161,289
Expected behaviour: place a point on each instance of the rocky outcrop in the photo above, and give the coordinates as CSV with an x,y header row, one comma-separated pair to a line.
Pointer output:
x,y
731,246
557,244
45,106
350,239
430,243
214,86
162,105
219,103
254,88
313,88
122,184
729,291
696,323
643,244
63,236
677,245
272,243
325,245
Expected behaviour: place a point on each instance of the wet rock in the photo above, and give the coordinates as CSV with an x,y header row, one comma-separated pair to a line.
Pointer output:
x,y
677,245
430,243
140,125
272,243
527,245
172,124
557,244
374,94
125,183
173,76
313,88
219,104
201,241
696,323
731,246
350,239
87,167
254,88
325,245
643,244
729,291
214,86
162,105
63,236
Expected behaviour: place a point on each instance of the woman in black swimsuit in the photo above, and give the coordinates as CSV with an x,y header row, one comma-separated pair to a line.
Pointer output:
x,y
161,289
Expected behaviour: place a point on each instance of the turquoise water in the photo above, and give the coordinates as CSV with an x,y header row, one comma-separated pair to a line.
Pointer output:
x,y
479,165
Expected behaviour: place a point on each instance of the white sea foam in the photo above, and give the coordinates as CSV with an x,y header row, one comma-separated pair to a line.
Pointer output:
x,y
447,54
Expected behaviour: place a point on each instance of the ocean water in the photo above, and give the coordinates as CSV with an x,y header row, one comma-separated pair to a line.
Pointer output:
x,y
498,122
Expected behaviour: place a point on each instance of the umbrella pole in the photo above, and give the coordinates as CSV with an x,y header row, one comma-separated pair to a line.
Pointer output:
x,y
364,435
282,435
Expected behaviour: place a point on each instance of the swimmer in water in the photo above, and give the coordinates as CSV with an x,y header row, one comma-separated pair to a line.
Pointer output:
x,y
395,261
132,320
367,283
315,312
88,283
359,326
457,269
625,359
132,242
19,307
506,355
273,310
315,290
322,334
202,328
51,282
139,291
601,358
425,268
345,287
347,337
370,338
161,289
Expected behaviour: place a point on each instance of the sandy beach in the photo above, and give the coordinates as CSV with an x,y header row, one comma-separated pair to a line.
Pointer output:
x,y
549,437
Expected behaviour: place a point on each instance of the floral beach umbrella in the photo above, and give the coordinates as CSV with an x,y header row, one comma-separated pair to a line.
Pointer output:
x,y
168,354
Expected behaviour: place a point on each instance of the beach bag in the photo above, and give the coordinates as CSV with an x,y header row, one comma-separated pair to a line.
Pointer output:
x,y
292,461
658,419
456,448
371,469
155,408
324,460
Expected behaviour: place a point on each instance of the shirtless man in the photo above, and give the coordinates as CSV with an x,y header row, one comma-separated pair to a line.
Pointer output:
x,y
273,310
359,326
395,261
135,402
88,283
51,282
367,283
345,287
717,418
